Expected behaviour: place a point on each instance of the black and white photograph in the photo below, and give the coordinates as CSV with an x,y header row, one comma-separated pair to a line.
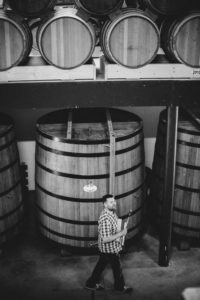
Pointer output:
x,y
100,149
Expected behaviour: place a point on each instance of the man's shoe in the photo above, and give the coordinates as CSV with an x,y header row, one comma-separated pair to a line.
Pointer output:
x,y
91,288
126,290
97,287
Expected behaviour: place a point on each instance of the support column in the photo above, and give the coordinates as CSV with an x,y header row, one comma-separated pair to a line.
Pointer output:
x,y
168,193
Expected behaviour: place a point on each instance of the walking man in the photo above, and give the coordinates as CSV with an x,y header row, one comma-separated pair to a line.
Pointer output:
x,y
109,244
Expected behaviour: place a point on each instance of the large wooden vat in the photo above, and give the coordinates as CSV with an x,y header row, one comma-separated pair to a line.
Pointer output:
x,y
15,40
180,39
99,7
73,164
131,39
186,206
30,8
65,39
11,202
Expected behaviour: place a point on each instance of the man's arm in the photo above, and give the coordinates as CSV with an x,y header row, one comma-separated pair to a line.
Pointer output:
x,y
107,239
106,233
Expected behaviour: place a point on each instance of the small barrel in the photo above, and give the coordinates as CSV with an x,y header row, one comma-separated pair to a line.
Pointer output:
x,y
15,40
11,201
66,40
131,39
167,7
30,8
186,206
132,3
180,39
73,172
99,7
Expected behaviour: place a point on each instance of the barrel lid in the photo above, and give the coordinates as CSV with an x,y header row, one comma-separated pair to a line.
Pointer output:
x,y
132,38
89,125
65,39
12,40
186,40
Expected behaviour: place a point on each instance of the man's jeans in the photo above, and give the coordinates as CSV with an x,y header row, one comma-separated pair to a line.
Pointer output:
x,y
104,259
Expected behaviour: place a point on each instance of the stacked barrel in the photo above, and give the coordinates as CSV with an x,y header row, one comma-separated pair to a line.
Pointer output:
x,y
11,196
15,40
130,35
65,39
186,206
131,39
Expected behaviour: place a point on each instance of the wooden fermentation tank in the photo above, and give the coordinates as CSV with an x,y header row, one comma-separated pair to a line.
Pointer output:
x,y
76,164
186,206
11,195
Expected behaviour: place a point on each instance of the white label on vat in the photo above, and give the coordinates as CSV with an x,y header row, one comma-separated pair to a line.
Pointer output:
x,y
90,188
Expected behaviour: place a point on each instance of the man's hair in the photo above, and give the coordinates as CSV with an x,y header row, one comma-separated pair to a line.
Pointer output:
x,y
105,197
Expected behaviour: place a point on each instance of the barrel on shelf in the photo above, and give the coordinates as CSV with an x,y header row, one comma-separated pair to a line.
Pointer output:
x,y
180,39
65,39
132,3
15,40
131,39
30,8
99,7
11,201
186,207
73,172
167,7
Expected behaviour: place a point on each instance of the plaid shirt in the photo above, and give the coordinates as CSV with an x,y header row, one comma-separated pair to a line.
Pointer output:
x,y
107,227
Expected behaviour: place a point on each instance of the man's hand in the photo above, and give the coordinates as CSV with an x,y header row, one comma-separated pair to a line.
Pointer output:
x,y
124,232
125,224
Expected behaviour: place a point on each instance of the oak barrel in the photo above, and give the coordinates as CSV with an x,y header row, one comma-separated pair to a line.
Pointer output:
x,y
11,202
167,7
131,39
180,39
186,206
132,3
65,39
73,172
15,40
32,8
99,7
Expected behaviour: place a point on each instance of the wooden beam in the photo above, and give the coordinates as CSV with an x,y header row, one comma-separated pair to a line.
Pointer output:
x,y
168,193
112,154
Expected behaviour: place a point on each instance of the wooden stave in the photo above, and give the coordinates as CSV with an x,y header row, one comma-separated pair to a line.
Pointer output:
x,y
62,13
74,241
110,25
186,222
29,13
25,33
98,13
169,34
11,201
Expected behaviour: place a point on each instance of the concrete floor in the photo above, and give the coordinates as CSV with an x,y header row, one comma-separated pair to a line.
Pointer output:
x,y
31,268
